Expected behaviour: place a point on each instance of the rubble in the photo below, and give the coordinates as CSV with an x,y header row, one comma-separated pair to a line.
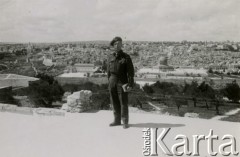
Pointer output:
x,y
49,112
16,109
78,101
191,115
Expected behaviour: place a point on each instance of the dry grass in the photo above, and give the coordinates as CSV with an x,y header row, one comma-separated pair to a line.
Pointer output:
x,y
232,118
203,112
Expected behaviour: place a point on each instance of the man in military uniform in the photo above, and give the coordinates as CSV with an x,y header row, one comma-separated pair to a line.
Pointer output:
x,y
120,71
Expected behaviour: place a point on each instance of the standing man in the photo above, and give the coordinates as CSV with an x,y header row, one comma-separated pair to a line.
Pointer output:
x,y
120,71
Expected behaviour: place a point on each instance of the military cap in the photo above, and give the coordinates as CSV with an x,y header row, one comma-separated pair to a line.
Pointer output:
x,y
115,40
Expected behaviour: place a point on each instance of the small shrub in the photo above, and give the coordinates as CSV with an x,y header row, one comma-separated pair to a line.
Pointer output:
x,y
181,113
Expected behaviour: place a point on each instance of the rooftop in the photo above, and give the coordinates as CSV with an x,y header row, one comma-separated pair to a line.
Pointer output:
x,y
84,65
15,76
73,75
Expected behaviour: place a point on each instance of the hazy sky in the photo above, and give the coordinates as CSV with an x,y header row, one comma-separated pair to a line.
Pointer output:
x,y
155,20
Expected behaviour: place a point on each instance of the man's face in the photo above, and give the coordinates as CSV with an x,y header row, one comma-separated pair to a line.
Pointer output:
x,y
117,46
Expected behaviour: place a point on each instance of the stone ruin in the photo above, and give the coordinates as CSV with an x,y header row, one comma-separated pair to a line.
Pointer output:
x,y
79,101
191,115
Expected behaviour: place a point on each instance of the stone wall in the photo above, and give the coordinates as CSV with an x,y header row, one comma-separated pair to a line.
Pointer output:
x,y
77,81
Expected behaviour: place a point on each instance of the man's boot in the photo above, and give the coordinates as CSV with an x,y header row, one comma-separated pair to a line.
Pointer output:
x,y
125,126
115,123
125,123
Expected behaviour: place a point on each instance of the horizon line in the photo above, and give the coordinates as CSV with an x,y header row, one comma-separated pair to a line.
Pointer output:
x,y
55,42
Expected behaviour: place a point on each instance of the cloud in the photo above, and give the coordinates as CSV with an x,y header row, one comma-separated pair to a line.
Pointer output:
x,y
72,20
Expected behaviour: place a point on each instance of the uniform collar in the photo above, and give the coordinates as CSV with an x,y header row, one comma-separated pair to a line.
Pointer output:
x,y
118,54
115,56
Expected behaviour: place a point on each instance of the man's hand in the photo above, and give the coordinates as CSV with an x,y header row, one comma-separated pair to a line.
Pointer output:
x,y
126,88
129,87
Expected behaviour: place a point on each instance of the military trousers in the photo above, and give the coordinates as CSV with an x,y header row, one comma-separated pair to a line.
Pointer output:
x,y
119,100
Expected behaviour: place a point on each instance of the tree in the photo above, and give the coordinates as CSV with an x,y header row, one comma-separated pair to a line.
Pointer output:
x,y
211,83
101,101
2,55
136,96
192,90
6,96
206,92
232,91
148,89
167,88
45,77
42,93
210,70
180,102
194,101
218,102
104,66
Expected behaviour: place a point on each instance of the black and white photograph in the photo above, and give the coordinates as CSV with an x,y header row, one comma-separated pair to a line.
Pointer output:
x,y
119,78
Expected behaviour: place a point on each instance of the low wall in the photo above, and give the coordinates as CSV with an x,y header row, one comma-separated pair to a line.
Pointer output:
x,y
72,80
104,80
14,82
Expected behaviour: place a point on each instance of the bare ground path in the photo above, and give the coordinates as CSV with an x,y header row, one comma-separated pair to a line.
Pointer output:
x,y
89,134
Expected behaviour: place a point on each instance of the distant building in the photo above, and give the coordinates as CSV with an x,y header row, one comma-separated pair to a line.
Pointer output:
x,y
29,51
79,78
168,72
157,71
69,49
163,61
189,71
47,60
89,69
163,64
218,67
72,75
29,48
235,47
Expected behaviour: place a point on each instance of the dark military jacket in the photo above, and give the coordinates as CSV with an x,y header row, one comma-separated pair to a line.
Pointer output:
x,y
121,67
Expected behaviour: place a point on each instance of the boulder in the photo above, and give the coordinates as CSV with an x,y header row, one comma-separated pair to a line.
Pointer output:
x,y
79,101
